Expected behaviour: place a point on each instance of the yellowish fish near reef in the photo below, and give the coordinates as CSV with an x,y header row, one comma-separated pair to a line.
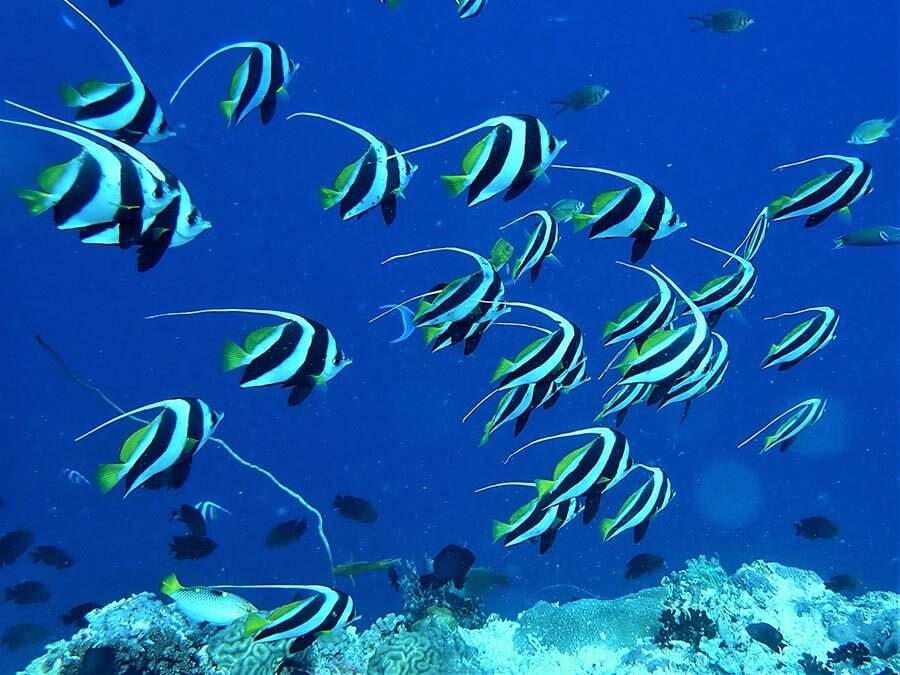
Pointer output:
x,y
501,254
870,131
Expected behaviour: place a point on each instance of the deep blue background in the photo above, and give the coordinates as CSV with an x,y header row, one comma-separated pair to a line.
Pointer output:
x,y
703,116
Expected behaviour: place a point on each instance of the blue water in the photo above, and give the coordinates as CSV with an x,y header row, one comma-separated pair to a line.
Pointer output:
x,y
703,116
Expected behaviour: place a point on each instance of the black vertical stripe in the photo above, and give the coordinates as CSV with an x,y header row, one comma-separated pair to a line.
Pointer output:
x,y
362,184
156,448
196,419
532,157
619,213
276,354
654,216
130,212
83,190
496,159
315,357
254,78
139,126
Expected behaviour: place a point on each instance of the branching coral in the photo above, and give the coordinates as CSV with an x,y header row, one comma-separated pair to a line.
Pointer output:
x,y
854,653
812,666
690,625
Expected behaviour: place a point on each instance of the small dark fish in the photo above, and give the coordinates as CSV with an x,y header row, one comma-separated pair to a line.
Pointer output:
x,y
27,593
14,544
394,578
643,563
53,556
192,547
285,533
23,634
99,661
355,508
768,635
451,564
585,97
726,21
192,518
842,583
76,615
816,527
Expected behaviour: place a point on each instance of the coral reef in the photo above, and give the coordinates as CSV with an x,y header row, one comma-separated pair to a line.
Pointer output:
x,y
469,612
433,645
854,653
695,622
690,626
233,654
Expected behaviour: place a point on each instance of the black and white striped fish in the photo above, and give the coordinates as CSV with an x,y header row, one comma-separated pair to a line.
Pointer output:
x,y
377,178
588,471
466,9
540,246
257,83
160,453
641,507
644,317
546,359
517,404
176,225
517,150
625,397
140,220
726,292
210,510
105,193
668,355
700,382
533,522
660,391
468,331
299,353
807,413
641,212
457,311
551,366
830,193
804,340
303,621
127,110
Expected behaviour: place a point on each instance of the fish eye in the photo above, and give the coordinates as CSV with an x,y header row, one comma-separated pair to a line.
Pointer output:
x,y
158,192
337,358
192,218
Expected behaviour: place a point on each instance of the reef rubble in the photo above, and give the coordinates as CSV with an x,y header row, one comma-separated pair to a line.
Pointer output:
x,y
696,621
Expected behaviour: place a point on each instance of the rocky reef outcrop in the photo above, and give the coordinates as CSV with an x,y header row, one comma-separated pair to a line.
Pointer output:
x,y
765,618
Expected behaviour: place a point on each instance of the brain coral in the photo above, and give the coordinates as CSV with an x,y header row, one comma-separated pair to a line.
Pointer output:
x,y
433,646
234,654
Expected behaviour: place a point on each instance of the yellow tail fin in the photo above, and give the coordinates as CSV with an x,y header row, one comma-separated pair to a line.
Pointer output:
x,y
454,184
170,585
108,476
